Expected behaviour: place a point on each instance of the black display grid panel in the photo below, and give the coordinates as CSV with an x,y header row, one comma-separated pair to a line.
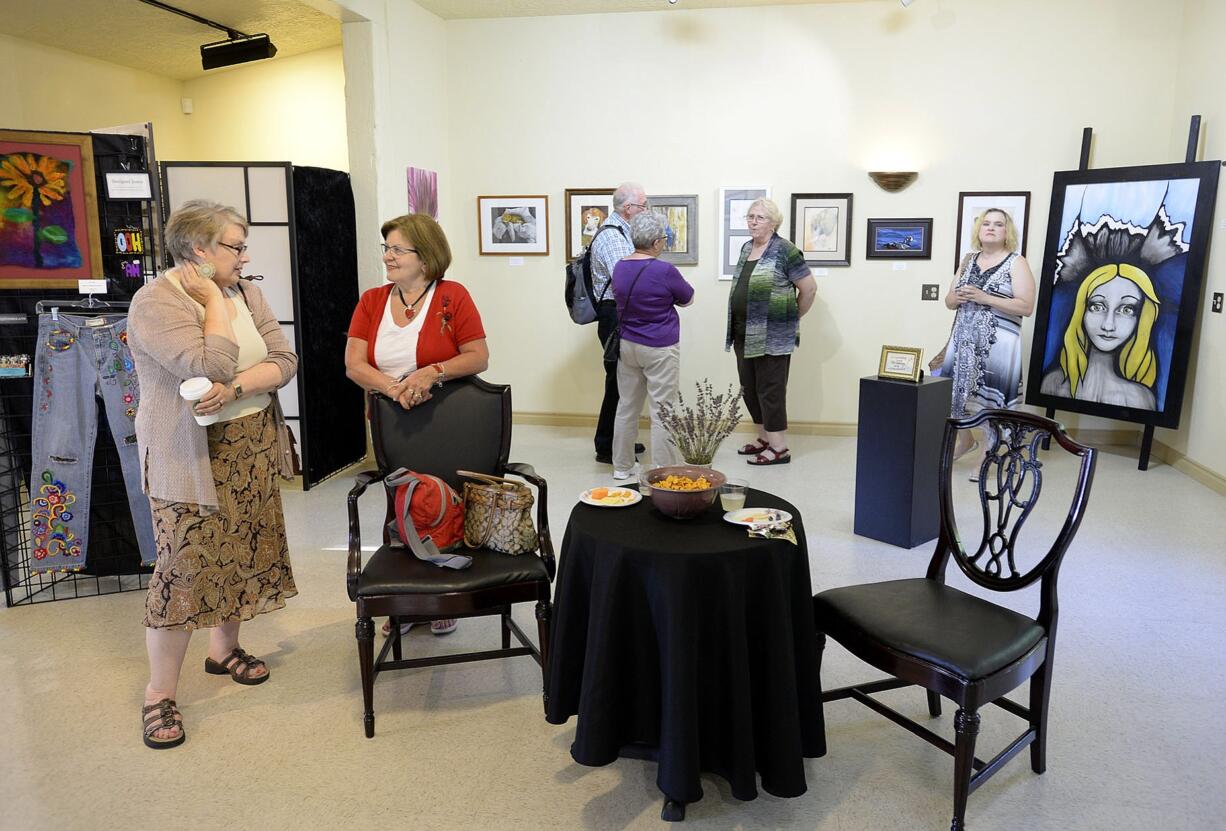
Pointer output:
x,y
113,559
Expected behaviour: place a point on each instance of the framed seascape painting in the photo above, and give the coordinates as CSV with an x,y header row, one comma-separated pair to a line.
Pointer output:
x,y
821,227
49,234
513,225
423,191
681,213
733,230
971,206
1120,289
899,239
586,208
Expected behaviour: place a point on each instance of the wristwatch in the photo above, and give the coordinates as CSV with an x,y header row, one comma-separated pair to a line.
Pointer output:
x,y
238,390
441,374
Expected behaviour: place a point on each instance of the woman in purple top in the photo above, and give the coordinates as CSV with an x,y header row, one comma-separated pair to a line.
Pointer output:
x,y
648,292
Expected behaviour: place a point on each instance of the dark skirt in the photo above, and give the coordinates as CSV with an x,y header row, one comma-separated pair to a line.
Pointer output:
x,y
231,564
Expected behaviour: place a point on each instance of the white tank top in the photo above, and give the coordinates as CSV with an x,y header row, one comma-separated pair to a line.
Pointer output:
x,y
395,346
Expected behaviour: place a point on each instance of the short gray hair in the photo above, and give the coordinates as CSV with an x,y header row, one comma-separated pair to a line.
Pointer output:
x,y
646,228
771,210
624,193
198,223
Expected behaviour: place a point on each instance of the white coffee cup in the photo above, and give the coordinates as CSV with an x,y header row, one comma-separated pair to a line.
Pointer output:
x,y
192,390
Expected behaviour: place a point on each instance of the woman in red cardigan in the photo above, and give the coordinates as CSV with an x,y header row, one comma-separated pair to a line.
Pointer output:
x,y
417,331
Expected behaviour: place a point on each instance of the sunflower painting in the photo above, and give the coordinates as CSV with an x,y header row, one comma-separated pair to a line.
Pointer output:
x,y
48,213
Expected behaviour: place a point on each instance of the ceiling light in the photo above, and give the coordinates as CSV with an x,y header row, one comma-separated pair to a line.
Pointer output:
x,y
237,48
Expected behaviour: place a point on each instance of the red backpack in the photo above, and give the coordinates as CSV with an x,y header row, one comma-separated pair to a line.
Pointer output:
x,y
428,517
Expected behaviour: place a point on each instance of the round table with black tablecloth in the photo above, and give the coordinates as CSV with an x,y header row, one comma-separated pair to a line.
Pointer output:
x,y
690,642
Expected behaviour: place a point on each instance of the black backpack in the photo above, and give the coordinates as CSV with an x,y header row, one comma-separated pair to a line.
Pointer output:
x,y
579,301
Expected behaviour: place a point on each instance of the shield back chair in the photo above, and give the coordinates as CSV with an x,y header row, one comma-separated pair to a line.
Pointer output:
x,y
466,425
957,645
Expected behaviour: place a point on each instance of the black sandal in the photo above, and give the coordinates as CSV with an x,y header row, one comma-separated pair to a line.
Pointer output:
x,y
163,715
781,457
760,446
238,665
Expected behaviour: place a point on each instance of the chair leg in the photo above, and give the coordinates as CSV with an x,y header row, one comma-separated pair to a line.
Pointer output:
x,y
544,612
397,647
364,630
966,725
506,627
1040,693
934,704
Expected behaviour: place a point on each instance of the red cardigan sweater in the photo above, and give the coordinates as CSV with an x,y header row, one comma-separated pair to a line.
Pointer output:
x,y
451,320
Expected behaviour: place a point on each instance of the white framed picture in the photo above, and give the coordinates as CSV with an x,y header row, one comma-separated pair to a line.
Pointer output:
x,y
734,203
973,203
515,226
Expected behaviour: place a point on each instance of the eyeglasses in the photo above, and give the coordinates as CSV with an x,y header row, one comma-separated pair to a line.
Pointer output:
x,y
641,205
238,250
756,218
396,250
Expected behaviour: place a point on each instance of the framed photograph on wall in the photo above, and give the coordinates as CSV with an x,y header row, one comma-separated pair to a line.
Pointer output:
x,y
821,227
49,233
515,226
972,204
1120,290
586,208
681,213
899,239
733,231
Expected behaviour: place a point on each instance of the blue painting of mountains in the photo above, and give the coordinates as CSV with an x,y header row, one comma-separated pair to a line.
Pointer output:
x,y
906,238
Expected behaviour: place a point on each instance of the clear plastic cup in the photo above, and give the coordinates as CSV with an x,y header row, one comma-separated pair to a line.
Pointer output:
x,y
192,390
732,494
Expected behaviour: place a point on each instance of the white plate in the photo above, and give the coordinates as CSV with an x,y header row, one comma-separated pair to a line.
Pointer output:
x,y
757,517
635,497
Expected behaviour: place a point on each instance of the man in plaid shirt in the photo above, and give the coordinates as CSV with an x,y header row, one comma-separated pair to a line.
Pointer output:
x,y
629,200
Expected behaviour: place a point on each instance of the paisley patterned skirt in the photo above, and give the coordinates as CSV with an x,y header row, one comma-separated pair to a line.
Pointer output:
x,y
232,564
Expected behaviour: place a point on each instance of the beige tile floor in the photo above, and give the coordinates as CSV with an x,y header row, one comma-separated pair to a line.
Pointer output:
x,y
1135,741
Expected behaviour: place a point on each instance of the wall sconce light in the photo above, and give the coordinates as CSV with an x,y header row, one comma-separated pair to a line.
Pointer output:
x,y
892,181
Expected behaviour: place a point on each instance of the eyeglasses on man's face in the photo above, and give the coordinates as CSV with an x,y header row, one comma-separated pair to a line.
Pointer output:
x,y
238,250
396,250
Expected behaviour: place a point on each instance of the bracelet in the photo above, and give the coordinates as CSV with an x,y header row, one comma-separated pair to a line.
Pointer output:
x,y
437,367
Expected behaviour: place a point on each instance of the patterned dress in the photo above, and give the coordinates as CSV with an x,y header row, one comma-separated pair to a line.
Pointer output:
x,y
984,357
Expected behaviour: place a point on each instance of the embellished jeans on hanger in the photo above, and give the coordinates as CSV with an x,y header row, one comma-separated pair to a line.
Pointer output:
x,y
77,359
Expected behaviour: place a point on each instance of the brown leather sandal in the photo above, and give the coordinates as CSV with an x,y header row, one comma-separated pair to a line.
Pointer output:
x,y
753,449
777,457
162,715
239,666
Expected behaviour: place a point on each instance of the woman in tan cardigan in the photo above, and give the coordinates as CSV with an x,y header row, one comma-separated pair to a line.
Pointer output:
x,y
222,556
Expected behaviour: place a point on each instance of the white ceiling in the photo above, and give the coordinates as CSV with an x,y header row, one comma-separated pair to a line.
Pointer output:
x,y
140,36
134,34
459,9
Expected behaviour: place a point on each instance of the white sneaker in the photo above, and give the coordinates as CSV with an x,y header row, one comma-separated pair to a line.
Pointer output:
x,y
622,475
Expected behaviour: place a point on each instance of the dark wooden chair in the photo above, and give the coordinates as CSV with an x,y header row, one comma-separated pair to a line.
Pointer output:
x,y
955,644
465,426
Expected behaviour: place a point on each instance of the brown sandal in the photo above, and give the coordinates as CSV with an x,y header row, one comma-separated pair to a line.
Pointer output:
x,y
780,457
238,665
754,449
162,715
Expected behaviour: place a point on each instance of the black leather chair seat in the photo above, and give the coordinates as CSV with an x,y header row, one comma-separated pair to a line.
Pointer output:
x,y
948,628
396,571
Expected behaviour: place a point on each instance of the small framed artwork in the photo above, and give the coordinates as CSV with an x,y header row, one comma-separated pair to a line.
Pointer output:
x,y
899,239
821,227
733,230
586,208
972,204
900,363
515,226
49,232
681,213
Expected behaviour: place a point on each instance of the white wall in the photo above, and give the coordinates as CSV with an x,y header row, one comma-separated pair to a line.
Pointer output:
x,y
974,95
288,109
1198,90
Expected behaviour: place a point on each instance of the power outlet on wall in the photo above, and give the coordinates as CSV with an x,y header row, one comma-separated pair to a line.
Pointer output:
x,y
931,291
1217,302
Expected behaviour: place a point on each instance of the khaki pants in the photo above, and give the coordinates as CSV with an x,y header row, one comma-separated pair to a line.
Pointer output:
x,y
651,372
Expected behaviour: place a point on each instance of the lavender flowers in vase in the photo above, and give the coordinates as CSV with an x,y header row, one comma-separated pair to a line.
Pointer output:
x,y
697,431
